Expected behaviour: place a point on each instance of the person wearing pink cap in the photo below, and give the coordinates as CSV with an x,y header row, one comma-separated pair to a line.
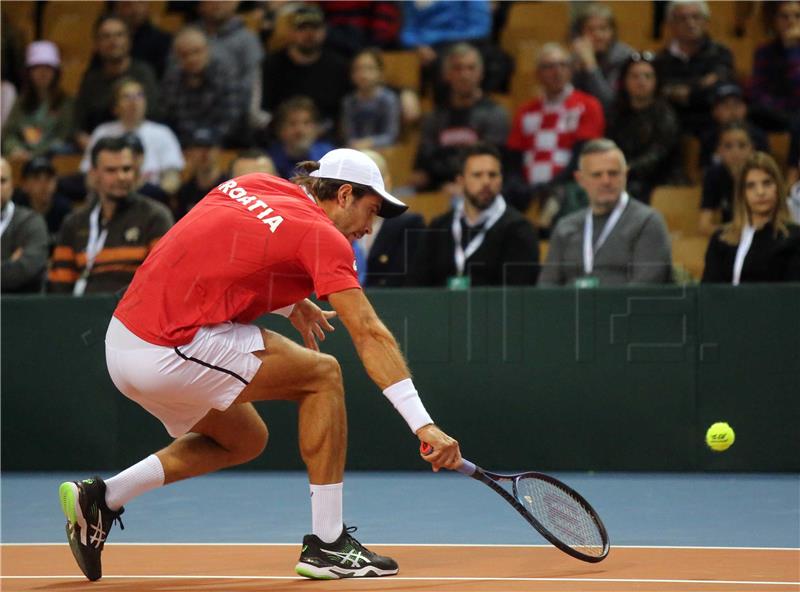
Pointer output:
x,y
40,123
182,344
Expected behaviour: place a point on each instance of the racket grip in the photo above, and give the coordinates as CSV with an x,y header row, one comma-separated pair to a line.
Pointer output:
x,y
466,468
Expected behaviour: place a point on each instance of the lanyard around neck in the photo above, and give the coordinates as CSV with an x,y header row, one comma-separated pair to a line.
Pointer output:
x,y
9,214
94,245
745,240
589,250
491,216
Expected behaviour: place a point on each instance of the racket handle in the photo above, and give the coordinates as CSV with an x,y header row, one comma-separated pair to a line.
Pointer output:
x,y
466,468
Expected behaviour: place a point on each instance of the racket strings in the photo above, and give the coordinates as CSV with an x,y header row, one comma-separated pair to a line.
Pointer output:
x,y
563,515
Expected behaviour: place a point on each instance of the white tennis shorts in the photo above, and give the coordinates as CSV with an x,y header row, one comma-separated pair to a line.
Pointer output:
x,y
179,385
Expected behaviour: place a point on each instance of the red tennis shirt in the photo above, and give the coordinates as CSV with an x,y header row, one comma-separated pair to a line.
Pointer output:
x,y
252,245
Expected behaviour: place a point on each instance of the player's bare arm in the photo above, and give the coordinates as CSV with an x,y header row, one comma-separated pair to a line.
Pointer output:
x,y
385,365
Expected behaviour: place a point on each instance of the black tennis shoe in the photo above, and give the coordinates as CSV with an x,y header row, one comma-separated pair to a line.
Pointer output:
x,y
89,520
343,558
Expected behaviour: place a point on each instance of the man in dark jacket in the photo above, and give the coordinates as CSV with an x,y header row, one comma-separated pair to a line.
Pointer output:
x,y
482,241
692,65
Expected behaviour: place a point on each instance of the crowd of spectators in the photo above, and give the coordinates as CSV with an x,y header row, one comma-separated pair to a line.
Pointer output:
x,y
577,162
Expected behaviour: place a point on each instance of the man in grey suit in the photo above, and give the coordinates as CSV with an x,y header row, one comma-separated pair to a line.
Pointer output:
x,y
616,240
24,241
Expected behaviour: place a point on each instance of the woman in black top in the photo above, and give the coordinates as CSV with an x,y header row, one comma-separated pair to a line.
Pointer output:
x,y
644,126
761,243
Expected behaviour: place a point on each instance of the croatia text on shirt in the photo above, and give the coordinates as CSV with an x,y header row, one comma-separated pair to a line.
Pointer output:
x,y
240,194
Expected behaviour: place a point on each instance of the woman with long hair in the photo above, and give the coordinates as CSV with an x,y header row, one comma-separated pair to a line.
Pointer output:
x,y
644,126
761,243
40,122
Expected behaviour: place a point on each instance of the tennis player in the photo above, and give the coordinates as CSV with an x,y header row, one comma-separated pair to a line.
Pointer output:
x,y
181,344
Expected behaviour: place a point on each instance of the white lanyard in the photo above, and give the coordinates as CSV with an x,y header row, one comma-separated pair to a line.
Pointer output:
x,y
9,214
745,241
491,215
588,229
95,244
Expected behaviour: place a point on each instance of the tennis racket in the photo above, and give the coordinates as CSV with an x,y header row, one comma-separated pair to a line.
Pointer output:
x,y
556,511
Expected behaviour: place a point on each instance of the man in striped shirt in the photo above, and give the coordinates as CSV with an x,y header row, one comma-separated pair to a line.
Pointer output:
x,y
102,244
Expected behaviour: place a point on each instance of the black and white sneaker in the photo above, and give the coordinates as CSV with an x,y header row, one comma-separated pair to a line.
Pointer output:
x,y
343,558
88,522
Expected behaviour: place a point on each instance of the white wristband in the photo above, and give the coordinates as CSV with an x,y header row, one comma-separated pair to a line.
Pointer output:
x,y
405,399
285,311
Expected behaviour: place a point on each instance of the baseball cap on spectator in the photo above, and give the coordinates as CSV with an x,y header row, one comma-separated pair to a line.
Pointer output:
x,y
38,164
727,90
203,137
42,53
308,14
345,164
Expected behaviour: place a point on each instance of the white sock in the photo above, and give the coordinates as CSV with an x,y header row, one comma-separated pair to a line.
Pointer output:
x,y
145,475
326,511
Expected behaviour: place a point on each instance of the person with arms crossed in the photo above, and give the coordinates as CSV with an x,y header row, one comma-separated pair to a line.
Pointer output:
x,y
181,344
24,240
616,240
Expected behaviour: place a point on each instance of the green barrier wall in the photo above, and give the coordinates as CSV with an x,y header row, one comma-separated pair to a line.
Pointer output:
x,y
605,379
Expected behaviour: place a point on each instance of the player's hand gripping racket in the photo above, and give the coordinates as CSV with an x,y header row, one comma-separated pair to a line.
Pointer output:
x,y
556,511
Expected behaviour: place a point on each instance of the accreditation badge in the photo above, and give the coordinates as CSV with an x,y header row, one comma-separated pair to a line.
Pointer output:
x,y
588,281
458,282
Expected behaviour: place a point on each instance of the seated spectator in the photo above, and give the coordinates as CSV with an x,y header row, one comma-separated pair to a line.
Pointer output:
x,y
371,114
227,32
113,62
24,241
644,126
140,183
352,26
41,121
482,241
307,68
148,43
431,27
598,55
39,192
298,132
691,66
163,159
102,244
548,132
775,83
761,243
467,117
252,161
793,202
204,168
200,90
729,107
734,148
385,254
616,240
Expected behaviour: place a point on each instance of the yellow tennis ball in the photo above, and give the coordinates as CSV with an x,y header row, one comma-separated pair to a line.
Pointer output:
x,y
720,436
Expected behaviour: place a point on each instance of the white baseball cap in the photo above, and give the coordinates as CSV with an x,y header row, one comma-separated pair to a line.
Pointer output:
x,y
346,164
42,53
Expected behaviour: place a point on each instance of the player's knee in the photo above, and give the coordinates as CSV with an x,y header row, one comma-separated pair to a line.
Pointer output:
x,y
254,442
330,376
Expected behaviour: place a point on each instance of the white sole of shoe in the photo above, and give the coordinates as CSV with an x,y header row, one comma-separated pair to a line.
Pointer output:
x,y
335,573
